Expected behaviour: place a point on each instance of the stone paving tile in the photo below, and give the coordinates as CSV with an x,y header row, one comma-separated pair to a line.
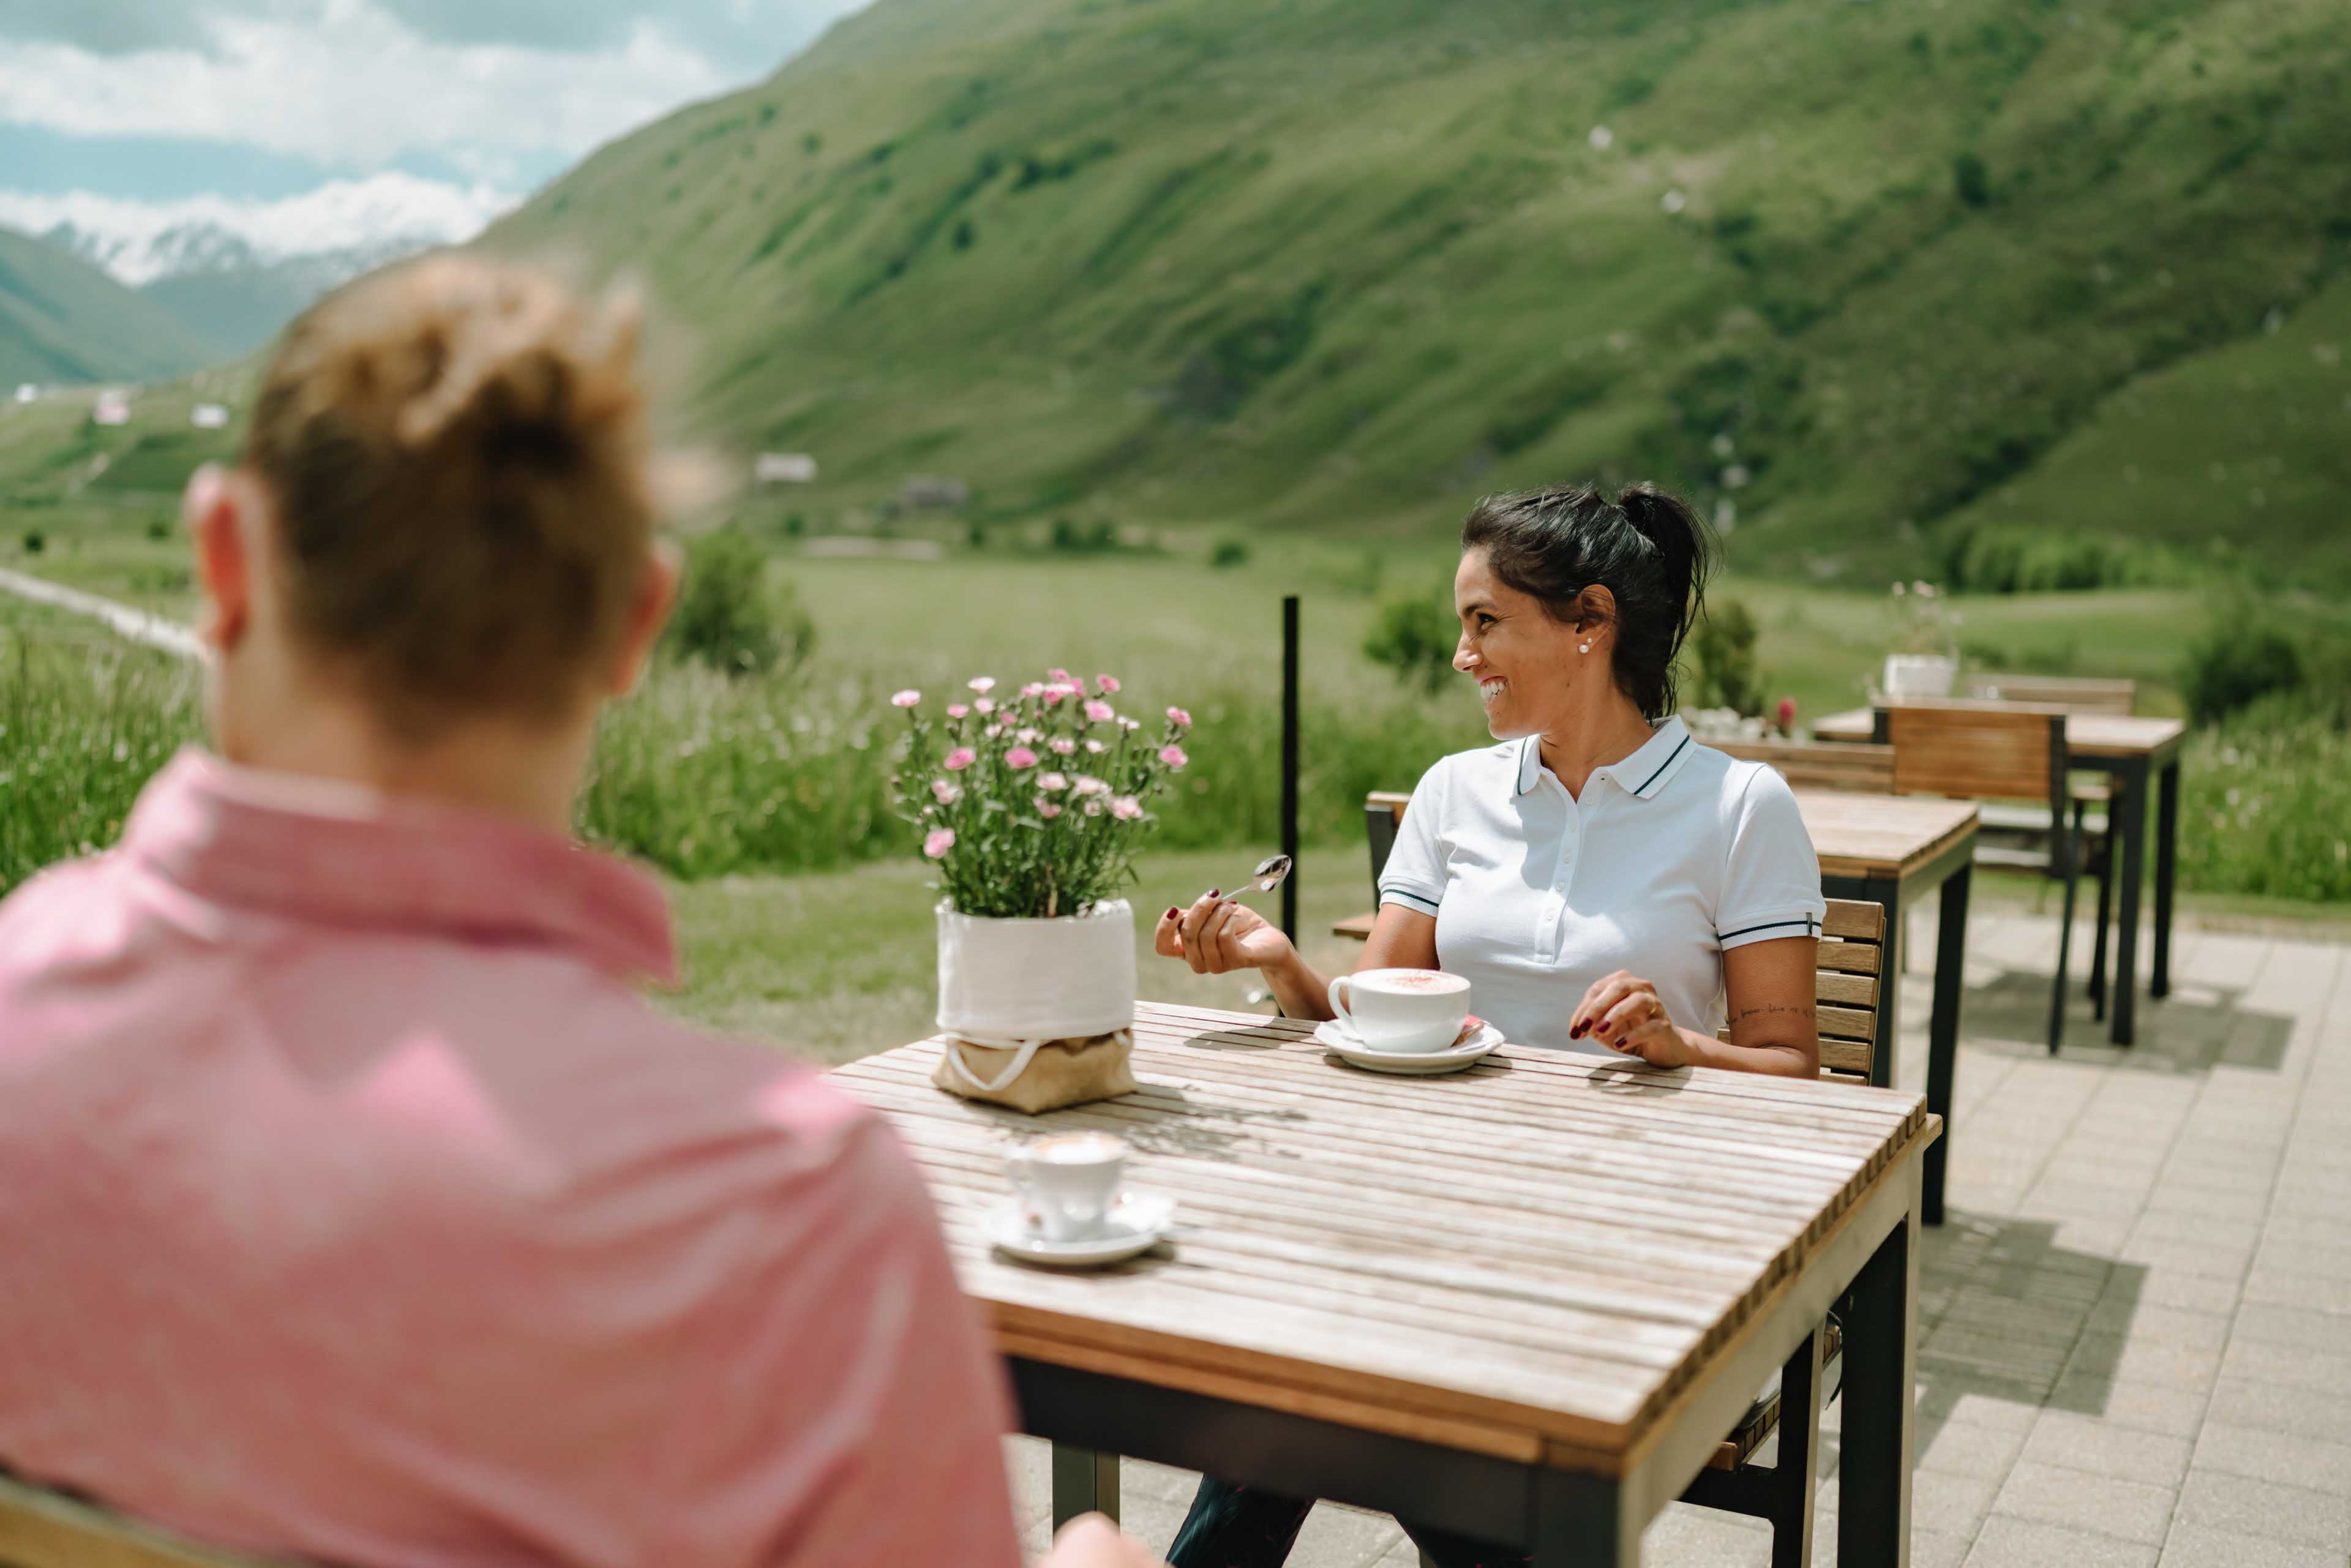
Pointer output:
x,y
2276,1407
2312,1292
2274,1456
2121,1358
1966,1448
2294,1327
2312,1369
2126,1314
2192,1546
2084,1443
2103,1505
2244,1506
2152,1407
2007,1542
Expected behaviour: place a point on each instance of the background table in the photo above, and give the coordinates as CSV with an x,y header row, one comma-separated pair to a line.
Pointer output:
x,y
2133,751
1525,1302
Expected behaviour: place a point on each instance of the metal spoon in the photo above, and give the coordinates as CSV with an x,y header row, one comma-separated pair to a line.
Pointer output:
x,y
1270,874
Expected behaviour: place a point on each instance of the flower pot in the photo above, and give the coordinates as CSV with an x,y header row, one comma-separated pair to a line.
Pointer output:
x,y
1005,982
1921,674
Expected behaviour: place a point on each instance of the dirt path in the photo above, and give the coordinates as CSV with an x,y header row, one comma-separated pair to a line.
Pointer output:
x,y
137,625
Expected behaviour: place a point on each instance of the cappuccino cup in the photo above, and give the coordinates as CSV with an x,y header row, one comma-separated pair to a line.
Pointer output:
x,y
1402,1009
1068,1180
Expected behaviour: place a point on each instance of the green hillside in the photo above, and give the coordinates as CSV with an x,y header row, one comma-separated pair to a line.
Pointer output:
x,y
63,320
1849,268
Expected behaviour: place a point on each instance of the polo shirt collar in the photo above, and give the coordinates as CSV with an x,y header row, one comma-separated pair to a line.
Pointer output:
x,y
1641,775
349,857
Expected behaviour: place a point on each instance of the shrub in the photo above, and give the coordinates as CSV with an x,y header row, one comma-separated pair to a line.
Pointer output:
x,y
1415,635
35,541
2236,663
1229,551
730,617
1721,660
2016,559
159,528
1971,179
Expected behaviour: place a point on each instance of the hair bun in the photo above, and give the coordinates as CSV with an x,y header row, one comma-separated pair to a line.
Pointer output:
x,y
508,353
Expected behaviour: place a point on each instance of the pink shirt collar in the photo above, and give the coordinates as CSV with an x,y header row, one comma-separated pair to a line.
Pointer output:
x,y
319,850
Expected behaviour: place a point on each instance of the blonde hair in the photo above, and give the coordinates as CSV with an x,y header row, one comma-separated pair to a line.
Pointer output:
x,y
456,450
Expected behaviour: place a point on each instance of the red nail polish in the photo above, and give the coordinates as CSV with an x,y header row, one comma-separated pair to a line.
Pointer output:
x,y
1173,913
1216,893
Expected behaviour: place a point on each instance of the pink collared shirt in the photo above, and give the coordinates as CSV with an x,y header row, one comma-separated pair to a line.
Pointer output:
x,y
353,1207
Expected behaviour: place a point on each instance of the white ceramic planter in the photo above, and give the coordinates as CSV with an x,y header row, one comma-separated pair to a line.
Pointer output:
x,y
1921,674
1006,982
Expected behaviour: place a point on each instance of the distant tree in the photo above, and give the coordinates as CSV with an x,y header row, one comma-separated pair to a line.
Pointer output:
x,y
965,235
730,617
1971,179
812,143
35,541
1721,652
1415,635
1229,553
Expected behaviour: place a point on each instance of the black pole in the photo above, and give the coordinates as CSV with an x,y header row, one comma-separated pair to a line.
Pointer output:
x,y
1290,762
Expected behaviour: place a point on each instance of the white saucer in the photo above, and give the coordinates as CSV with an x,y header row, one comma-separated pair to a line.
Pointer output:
x,y
1136,1223
1344,1044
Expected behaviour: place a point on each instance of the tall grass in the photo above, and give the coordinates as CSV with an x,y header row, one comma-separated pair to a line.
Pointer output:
x,y
84,720
703,775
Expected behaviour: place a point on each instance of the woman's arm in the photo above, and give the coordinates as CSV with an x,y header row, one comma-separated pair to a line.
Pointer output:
x,y
1217,934
1773,1027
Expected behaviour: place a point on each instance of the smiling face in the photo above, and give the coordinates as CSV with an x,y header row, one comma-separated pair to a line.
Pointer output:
x,y
1524,662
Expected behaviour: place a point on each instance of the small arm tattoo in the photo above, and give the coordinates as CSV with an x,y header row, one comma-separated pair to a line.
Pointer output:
x,y
1743,1016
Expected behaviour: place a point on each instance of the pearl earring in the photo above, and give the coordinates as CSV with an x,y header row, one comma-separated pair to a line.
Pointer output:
x,y
1584,647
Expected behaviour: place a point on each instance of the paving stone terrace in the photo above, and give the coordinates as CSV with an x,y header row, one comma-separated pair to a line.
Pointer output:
x,y
2136,1326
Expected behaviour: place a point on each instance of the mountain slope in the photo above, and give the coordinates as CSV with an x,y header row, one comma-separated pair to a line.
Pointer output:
x,y
62,319
1842,269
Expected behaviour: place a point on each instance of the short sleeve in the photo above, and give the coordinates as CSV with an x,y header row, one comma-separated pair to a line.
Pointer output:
x,y
1772,877
1415,874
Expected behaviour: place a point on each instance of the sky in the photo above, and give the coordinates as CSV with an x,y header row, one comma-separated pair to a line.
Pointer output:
x,y
301,125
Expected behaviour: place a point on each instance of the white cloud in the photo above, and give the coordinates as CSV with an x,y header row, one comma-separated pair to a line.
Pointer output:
x,y
353,85
135,240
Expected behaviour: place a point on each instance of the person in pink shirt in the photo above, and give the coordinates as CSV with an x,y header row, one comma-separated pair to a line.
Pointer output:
x,y
353,1206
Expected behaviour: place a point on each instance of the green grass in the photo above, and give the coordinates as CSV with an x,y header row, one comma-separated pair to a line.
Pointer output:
x,y
65,320
1342,266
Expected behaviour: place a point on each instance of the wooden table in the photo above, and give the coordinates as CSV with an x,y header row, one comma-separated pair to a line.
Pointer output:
x,y
1891,850
1523,1302
2133,751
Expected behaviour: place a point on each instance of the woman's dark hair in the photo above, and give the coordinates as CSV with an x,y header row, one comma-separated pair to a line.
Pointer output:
x,y
1647,548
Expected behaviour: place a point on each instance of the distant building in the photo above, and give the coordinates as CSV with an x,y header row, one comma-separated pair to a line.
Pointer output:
x,y
28,392
783,468
209,416
111,408
924,490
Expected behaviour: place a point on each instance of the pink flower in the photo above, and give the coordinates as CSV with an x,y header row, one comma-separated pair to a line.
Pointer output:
x,y
1093,807
1046,809
1033,689
1063,745
956,710
1177,716
983,683
1054,694
946,791
1173,756
992,731
906,698
1787,714
1060,677
1100,712
1089,784
1051,782
1020,757
961,757
1126,808
1128,724
983,705
1106,683
938,842
1027,736
1095,748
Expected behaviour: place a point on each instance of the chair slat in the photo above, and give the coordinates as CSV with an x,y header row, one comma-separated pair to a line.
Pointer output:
x,y
1821,765
44,1529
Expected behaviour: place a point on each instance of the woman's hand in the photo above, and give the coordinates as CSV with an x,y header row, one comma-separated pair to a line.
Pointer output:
x,y
1622,1012
1216,936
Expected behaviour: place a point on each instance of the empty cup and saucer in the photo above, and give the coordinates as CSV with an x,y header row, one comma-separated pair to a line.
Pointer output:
x,y
1070,1205
1405,1020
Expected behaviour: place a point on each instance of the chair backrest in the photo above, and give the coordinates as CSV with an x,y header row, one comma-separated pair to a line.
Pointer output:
x,y
1976,751
43,1528
1821,765
2074,694
1845,983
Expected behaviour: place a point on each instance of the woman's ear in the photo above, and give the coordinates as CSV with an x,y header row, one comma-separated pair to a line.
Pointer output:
x,y
1595,610
648,613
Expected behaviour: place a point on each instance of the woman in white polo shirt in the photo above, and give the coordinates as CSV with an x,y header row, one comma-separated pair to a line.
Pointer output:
x,y
1607,883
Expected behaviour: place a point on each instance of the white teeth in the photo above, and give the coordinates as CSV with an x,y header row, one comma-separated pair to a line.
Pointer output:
x,y
1494,686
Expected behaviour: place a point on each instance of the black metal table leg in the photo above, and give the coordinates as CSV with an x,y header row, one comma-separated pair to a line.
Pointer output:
x,y
1800,1448
1085,1481
2133,805
1943,1030
2167,858
1578,1523
1880,1362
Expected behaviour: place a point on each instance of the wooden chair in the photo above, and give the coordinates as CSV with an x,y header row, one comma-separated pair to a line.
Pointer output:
x,y
45,1528
1847,767
2013,760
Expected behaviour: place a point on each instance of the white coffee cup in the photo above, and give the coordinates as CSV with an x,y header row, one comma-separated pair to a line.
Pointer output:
x,y
1068,1180
1402,1009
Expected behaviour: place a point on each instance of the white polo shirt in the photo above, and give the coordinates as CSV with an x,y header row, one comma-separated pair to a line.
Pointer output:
x,y
1674,856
